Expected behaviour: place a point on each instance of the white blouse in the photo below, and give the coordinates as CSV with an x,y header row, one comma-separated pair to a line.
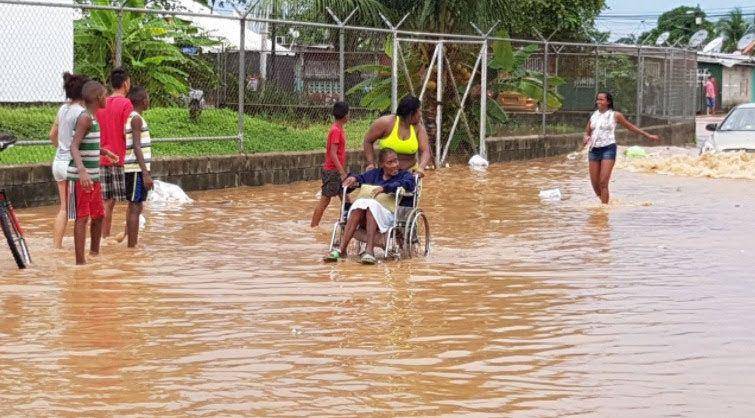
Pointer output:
x,y
603,129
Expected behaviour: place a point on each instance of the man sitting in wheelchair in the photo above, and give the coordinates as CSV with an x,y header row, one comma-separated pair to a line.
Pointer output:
x,y
372,207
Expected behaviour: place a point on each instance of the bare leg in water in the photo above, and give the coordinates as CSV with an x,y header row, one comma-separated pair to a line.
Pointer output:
x,y
132,223
595,176
600,177
606,168
96,233
356,218
61,219
371,226
79,239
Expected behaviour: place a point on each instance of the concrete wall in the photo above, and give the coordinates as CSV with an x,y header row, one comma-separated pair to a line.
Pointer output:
x,y
735,87
537,146
33,185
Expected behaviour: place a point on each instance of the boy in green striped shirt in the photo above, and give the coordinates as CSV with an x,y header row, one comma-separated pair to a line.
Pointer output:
x,y
84,192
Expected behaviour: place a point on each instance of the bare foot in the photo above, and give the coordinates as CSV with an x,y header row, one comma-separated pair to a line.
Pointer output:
x,y
120,237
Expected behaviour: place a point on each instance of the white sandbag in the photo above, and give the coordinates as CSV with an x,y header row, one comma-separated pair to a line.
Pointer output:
x,y
163,193
477,162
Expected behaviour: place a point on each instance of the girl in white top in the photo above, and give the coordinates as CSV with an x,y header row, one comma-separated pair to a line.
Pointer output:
x,y
61,136
600,136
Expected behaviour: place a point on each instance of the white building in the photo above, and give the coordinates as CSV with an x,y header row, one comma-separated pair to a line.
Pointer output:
x,y
36,48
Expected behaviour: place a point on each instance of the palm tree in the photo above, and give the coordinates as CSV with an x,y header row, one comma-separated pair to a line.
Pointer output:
x,y
733,26
151,50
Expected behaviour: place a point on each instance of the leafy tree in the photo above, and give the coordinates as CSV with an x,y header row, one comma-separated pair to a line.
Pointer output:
x,y
510,75
151,50
630,39
681,23
733,27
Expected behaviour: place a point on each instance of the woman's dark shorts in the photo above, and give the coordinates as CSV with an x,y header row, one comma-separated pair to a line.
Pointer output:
x,y
602,153
331,183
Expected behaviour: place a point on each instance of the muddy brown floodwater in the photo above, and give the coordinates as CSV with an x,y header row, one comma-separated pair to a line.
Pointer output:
x,y
643,308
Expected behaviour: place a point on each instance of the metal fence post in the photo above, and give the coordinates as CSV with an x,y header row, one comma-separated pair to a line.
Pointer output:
x,y
341,51
119,39
242,78
394,73
597,72
439,100
545,87
640,77
666,87
484,98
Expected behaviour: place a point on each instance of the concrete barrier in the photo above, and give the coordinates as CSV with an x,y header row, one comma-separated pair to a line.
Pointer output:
x,y
502,149
33,185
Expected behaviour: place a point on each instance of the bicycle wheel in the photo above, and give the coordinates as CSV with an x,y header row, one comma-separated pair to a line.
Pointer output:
x,y
16,243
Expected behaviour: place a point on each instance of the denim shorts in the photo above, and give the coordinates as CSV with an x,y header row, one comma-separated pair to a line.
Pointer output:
x,y
711,101
602,153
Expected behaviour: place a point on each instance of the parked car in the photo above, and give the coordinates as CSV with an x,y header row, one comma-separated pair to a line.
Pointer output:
x,y
735,133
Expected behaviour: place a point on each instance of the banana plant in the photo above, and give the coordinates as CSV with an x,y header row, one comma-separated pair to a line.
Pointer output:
x,y
510,75
151,50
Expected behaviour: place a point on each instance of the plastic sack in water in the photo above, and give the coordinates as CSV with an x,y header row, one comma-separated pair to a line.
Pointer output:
x,y
635,152
478,163
163,193
550,194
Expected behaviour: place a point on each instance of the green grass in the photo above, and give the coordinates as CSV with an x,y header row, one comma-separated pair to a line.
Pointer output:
x,y
33,123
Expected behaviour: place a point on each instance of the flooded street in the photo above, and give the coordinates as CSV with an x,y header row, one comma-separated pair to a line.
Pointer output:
x,y
642,308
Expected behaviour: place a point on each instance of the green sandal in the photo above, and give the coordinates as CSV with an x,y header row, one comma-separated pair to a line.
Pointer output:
x,y
332,257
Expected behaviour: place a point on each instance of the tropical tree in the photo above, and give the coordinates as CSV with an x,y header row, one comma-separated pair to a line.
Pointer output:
x,y
733,27
681,22
510,75
630,39
151,50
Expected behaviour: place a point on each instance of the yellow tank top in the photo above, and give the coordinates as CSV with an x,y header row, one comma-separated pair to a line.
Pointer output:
x,y
408,146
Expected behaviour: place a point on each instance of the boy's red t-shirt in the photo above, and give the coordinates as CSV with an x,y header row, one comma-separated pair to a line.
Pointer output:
x,y
112,120
336,138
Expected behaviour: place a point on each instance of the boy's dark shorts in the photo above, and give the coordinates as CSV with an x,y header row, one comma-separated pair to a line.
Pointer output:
x,y
136,192
331,183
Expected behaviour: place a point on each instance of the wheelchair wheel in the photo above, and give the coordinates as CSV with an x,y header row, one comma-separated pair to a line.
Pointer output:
x,y
15,240
417,235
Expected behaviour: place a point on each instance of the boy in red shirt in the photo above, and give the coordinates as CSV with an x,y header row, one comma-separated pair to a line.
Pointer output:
x,y
334,169
112,119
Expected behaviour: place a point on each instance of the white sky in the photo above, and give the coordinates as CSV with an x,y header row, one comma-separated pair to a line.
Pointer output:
x,y
621,26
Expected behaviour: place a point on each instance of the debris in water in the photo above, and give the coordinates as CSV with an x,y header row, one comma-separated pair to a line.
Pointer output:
x,y
550,194
635,151
163,192
647,203
478,163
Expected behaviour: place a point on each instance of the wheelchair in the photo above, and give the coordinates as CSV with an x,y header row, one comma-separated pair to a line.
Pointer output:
x,y
408,237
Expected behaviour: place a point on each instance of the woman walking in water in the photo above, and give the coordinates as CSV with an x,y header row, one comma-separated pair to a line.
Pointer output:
x,y
601,137
61,136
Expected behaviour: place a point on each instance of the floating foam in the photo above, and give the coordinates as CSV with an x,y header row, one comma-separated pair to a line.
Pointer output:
x,y
675,162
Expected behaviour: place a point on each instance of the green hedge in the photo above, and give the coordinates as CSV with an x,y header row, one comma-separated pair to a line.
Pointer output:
x,y
259,135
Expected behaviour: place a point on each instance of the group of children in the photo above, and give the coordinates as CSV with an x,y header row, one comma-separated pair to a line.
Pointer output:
x,y
103,156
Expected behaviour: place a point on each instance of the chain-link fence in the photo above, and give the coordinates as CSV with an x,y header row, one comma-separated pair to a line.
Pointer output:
x,y
269,84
